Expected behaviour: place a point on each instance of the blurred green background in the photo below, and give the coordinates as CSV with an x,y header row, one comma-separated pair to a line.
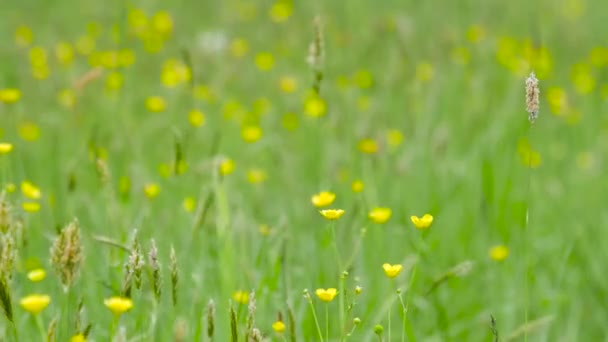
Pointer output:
x,y
196,124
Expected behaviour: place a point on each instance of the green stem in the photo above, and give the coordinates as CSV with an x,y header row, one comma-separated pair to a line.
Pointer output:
x,y
314,315
332,228
40,326
327,321
341,300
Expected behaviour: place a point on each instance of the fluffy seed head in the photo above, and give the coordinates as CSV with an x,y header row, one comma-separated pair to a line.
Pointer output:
x,y
66,254
532,97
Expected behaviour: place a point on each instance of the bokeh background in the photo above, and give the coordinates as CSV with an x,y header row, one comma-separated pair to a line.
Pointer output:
x,y
195,123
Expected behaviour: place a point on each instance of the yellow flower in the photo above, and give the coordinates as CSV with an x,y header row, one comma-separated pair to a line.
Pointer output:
x,y
196,118
357,186
288,84
239,47
23,36
67,98
35,303
476,34
137,21
323,199
363,79
264,61
162,22
29,190
368,146
264,229
315,106
358,290
332,214
189,204
31,207
78,338
227,166
394,137
424,72
36,275
203,92
380,215
499,252
5,147
422,222
241,297
290,121
126,57
256,176
10,95
118,305
156,104
64,53
114,81
392,271
29,131
151,190
583,79
326,295
281,11
278,326
251,134
10,187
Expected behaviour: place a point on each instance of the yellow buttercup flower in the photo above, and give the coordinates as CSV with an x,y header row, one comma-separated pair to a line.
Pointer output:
x,y
35,303
392,271
315,106
31,207
368,146
264,230
251,134
66,98
29,190
499,253
162,22
323,199
476,33
332,214
424,72
239,47
78,338
10,95
29,131
256,176
281,11
23,36
288,84
394,137
118,305
227,166
264,61
326,295
380,215
36,275
357,185
278,326
423,222
156,104
189,204
151,190
241,297
114,81
363,79
5,147
64,53
196,118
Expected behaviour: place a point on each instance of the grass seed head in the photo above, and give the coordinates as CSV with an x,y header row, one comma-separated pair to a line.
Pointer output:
x,y
67,254
174,276
532,97
155,267
210,319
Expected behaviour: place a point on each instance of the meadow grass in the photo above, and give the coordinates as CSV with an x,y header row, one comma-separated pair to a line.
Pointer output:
x,y
302,171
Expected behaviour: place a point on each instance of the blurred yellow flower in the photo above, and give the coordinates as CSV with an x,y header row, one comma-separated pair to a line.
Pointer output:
x,y
264,61
380,215
137,20
264,229
118,305
528,156
162,22
323,199
196,118
499,253
326,295
30,190
368,146
256,176
64,52
332,214
36,275
67,98
476,33
278,326
582,78
23,36
5,147
288,84
126,57
203,92
357,185
239,47
315,106
558,100
189,204
392,271
78,338
363,103
241,297
85,45
35,303
281,11
227,166
394,137
363,79
114,81
424,72
251,134
10,95
29,131
423,222
151,190
460,55
156,104
31,207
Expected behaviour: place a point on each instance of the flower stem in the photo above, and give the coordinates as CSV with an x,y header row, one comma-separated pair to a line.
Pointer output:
x,y
314,315
327,322
40,326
